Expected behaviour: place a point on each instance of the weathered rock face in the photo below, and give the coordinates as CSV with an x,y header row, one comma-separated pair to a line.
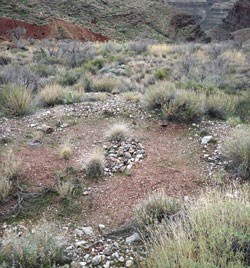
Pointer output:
x,y
207,13
239,17
185,27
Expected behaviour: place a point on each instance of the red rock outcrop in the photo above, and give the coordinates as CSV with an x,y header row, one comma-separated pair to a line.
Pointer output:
x,y
55,29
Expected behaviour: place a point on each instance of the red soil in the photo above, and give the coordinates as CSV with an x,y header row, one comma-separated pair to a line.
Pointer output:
x,y
56,27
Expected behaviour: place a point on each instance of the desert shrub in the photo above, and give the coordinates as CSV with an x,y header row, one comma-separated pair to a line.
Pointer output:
x,y
65,151
220,105
158,95
87,84
94,166
186,106
237,150
157,208
74,53
65,189
215,233
4,60
43,70
94,65
69,78
242,108
162,74
16,100
118,132
5,187
11,165
132,96
175,104
20,76
43,247
234,121
139,46
105,84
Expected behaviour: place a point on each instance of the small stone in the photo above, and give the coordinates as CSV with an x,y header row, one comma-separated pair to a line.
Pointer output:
x,y
106,265
133,238
88,230
205,140
80,243
101,226
129,263
85,193
97,260
121,259
115,255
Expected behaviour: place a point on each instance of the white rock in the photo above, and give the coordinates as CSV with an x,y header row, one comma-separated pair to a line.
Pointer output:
x,y
88,230
129,263
80,243
133,238
205,140
121,259
97,260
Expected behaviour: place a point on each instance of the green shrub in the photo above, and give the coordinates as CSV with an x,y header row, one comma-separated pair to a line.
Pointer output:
x,y
15,100
162,74
214,233
69,78
220,105
237,149
94,65
94,167
43,70
159,95
156,209
41,248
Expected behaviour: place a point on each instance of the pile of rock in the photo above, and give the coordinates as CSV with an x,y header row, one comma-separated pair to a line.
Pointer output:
x,y
121,156
87,250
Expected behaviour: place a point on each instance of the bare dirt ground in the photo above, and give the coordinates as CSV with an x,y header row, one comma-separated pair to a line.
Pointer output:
x,y
172,164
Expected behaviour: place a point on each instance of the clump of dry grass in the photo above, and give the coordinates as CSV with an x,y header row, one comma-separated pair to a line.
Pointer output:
x,y
234,56
158,95
237,149
65,151
16,100
157,208
94,166
132,96
106,84
56,94
118,132
5,187
11,165
160,49
65,189
43,247
214,232
52,95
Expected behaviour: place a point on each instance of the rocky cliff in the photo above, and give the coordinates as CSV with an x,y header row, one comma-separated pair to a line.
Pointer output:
x,y
207,13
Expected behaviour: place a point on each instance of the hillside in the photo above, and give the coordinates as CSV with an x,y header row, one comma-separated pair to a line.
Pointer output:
x,y
118,20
